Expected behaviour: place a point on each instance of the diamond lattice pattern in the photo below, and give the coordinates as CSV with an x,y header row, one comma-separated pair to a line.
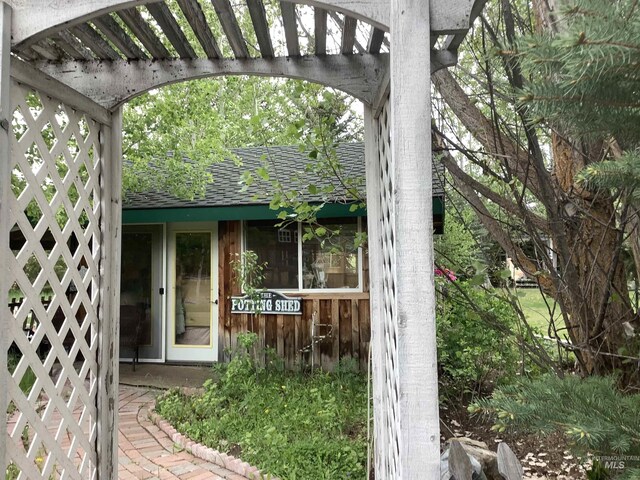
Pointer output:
x,y
388,418
55,245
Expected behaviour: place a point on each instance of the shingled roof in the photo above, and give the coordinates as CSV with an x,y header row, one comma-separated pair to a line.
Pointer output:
x,y
288,162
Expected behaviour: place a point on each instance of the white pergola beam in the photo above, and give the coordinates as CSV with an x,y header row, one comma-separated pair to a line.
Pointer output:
x,y
261,27
111,84
22,71
290,23
34,19
231,28
320,21
447,16
439,59
413,250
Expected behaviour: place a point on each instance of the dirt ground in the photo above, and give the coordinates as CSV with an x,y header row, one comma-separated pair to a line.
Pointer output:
x,y
163,376
542,457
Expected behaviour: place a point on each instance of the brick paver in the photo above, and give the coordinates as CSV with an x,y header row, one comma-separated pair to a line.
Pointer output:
x,y
147,452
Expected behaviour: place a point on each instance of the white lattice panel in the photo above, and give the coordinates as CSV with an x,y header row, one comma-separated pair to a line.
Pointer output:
x,y
388,416
54,268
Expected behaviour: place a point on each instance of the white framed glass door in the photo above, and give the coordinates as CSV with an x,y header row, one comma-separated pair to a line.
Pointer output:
x,y
192,310
140,292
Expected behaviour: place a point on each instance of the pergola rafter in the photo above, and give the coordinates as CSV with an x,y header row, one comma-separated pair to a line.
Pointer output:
x,y
111,32
67,66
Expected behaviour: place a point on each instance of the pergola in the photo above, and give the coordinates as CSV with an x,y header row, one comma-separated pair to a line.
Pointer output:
x,y
66,68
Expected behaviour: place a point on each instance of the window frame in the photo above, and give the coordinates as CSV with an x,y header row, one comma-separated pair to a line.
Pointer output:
x,y
301,289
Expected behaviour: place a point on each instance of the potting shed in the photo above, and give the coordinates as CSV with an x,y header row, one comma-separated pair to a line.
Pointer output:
x,y
180,294
67,67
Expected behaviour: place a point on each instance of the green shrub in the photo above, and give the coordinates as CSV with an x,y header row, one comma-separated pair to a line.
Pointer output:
x,y
290,425
475,347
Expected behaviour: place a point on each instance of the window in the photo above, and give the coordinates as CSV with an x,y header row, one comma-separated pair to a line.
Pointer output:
x,y
333,263
275,247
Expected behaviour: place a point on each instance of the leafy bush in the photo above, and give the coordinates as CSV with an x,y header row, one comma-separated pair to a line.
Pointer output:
x,y
290,425
591,412
474,343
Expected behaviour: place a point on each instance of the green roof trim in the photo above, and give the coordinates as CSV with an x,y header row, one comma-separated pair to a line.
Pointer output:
x,y
239,212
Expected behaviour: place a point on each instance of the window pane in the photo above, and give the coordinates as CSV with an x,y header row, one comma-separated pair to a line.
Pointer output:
x,y
193,289
332,263
278,248
135,289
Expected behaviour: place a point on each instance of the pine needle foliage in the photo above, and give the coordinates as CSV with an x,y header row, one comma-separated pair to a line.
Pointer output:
x,y
593,414
585,79
623,173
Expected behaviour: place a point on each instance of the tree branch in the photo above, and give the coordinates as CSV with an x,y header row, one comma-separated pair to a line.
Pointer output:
x,y
502,237
494,142
451,165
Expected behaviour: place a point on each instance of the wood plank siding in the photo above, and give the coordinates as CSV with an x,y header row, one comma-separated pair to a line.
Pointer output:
x,y
343,319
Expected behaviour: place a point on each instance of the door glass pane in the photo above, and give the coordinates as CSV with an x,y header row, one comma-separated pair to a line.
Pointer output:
x,y
192,323
135,291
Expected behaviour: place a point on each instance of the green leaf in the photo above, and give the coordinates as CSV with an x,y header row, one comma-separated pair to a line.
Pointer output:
x,y
504,274
263,173
477,280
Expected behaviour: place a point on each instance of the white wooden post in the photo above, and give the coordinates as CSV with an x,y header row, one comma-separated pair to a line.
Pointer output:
x,y
111,139
415,293
374,245
5,187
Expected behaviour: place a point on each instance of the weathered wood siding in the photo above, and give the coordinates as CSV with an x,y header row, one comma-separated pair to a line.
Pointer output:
x,y
346,316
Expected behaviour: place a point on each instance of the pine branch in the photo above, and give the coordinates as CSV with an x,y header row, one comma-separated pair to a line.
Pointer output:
x,y
622,173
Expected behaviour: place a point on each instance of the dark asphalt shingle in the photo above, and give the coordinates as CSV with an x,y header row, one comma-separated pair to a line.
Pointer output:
x,y
285,162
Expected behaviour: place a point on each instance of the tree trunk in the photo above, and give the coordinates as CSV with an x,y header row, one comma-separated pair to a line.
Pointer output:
x,y
633,230
597,313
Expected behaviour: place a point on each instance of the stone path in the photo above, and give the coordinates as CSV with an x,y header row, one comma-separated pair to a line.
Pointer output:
x,y
146,452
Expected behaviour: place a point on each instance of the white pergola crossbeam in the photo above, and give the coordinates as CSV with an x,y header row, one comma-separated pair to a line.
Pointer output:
x,y
134,21
22,71
116,82
196,18
261,27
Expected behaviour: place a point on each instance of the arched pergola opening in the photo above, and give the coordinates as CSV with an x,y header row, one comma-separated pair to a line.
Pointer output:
x,y
66,67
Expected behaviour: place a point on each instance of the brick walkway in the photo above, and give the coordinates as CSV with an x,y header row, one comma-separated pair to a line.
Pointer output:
x,y
146,452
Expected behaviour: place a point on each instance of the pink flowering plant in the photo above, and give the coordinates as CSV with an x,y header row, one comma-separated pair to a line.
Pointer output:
x,y
445,273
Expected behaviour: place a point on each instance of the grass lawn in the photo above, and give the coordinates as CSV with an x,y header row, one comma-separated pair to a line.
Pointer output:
x,y
536,310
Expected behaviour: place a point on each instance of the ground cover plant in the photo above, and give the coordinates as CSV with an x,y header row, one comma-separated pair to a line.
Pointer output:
x,y
291,425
